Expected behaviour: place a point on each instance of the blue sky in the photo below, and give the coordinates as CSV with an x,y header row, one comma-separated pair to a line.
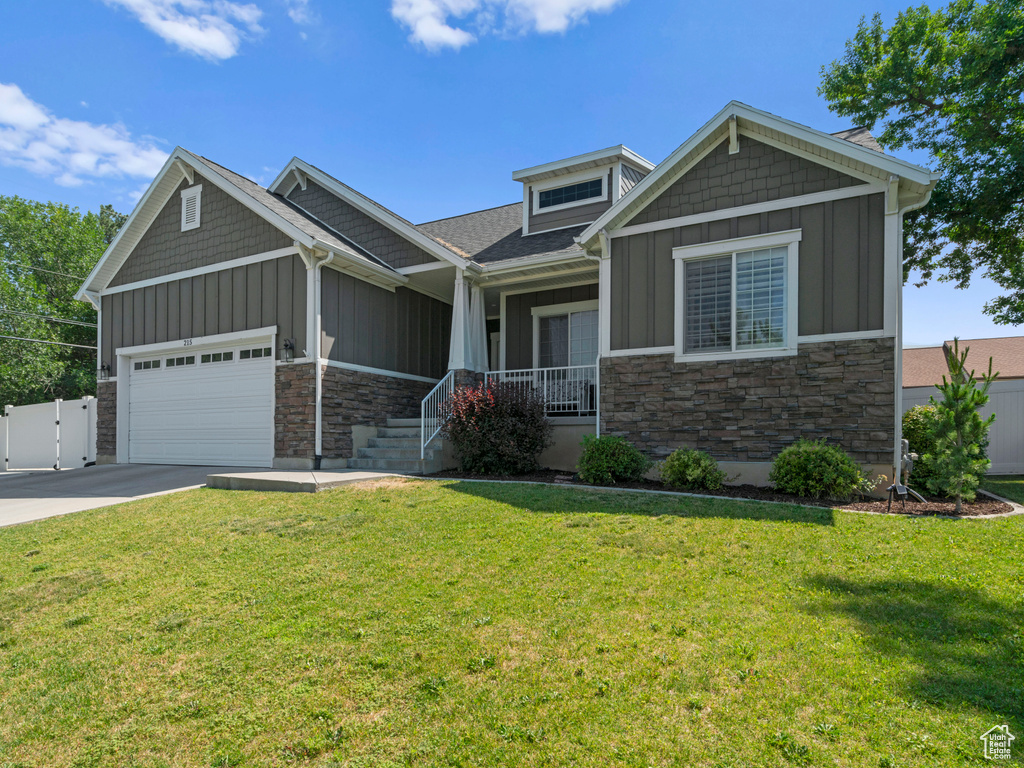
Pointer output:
x,y
427,106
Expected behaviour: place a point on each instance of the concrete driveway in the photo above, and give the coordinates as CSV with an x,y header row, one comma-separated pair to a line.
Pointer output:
x,y
34,495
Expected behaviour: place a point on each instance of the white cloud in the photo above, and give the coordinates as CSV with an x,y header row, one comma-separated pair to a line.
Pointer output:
x,y
438,24
300,12
69,151
213,29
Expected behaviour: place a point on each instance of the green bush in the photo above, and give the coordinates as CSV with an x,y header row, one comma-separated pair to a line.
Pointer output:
x,y
918,427
608,460
692,470
497,429
816,470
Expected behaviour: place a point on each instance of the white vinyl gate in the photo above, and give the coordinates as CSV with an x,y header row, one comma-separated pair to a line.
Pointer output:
x,y
213,406
1006,437
57,435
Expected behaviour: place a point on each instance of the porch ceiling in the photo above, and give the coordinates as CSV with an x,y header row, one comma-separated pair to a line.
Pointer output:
x,y
537,279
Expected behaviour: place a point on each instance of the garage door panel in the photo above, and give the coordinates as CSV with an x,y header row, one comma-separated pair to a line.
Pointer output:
x,y
205,413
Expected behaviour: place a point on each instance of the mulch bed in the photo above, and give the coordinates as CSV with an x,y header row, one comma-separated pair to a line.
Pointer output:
x,y
933,507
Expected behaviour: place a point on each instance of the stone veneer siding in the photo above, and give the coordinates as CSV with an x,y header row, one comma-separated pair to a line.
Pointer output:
x,y
106,419
357,398
295,411
749,410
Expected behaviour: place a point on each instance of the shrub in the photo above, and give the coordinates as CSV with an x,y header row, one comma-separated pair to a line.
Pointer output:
x,y
497,428
918,424
608,459
696,470
818,471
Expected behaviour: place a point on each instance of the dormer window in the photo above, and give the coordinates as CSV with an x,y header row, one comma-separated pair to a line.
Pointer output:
x,y
191,205
585,190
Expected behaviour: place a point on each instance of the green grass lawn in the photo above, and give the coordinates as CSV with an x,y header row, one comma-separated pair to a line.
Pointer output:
x,y
464,624
1008,486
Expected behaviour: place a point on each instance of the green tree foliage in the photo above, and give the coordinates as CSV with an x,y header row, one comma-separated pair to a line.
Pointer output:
x,y
949,82
46,250
958,463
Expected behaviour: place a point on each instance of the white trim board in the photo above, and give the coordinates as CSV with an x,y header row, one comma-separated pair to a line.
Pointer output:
x,y
198,342
196,272
749,210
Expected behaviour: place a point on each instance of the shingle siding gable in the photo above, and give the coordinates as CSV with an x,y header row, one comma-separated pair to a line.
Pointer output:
x,y
228,230
757,173
386,245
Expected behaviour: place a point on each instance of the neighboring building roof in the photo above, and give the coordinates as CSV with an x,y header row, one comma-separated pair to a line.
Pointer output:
x,y
925,366
860,136
496,234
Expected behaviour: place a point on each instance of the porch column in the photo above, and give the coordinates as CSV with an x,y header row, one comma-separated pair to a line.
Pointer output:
x,y
458,353
477,330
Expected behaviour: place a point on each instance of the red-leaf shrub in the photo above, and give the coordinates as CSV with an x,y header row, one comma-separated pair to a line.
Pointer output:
x,y
497,428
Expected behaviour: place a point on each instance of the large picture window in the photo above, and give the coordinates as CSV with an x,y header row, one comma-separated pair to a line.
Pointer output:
x,y
737,298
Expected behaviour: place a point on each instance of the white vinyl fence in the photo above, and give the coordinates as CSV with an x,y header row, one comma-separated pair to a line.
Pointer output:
x,y
57,435
1006,438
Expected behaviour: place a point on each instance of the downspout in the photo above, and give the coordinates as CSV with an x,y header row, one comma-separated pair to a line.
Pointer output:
x,y
317,348
603,239
898,378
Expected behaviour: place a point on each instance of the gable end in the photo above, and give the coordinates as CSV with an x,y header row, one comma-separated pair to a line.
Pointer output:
x,y
756,174
382,242
227,230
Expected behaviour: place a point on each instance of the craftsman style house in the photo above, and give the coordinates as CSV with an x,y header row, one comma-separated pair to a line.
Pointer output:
x,y
741,294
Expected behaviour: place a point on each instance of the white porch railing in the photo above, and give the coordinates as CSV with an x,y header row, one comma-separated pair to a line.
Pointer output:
x,y
569,391
433,411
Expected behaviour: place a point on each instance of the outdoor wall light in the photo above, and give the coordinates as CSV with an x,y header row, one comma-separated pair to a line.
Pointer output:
x,y
104,372
288,351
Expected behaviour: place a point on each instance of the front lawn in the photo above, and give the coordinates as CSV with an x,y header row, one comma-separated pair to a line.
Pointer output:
x,y
465,624
1008,486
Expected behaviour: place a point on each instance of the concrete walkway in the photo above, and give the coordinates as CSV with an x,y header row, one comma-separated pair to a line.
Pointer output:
x,y
36,494
291,481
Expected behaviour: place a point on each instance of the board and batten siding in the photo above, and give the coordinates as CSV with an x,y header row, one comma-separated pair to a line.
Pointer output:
x,y
271,292
841,279
518,319
567,217
227,230
404,331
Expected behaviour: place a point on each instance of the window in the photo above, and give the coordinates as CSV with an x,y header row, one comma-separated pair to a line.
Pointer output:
x,y
566,335
177,362
191,205
146,365
737,298
252,354
585,190
217,357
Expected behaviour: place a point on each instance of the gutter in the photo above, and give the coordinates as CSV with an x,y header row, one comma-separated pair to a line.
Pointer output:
x,y
318,448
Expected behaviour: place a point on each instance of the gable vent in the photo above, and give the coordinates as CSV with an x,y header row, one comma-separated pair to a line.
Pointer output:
x,y
191,203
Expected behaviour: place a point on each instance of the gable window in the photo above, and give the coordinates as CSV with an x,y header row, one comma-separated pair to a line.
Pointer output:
x,y
565,335
191,207
737,298
573,193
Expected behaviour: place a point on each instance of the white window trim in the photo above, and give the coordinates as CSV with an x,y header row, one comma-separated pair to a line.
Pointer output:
x,y
568,181
549,310
197,193
789,238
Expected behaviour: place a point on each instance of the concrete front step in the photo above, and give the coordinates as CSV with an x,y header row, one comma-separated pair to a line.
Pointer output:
x,y
402,466
409,432
404,423
409,443
387,452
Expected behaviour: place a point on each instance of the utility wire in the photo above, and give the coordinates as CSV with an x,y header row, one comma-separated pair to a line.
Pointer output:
x,y
43,341
47,317
40,269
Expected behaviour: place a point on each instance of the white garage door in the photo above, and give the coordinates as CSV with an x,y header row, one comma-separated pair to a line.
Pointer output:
x,y
213,406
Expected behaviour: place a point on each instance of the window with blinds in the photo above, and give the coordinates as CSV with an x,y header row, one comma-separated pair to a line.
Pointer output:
x,y
735,302
191,205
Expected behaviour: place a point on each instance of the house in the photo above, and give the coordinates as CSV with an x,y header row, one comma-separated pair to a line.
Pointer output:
x,y
741,294
924,367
